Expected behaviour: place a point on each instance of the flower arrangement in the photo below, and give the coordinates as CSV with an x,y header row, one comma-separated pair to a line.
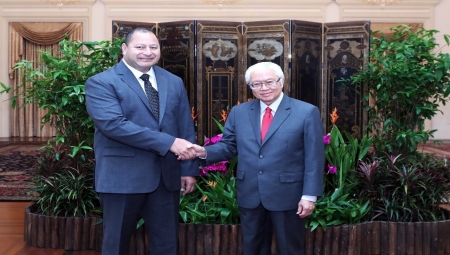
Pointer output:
x,y
214,199
339,203
220,167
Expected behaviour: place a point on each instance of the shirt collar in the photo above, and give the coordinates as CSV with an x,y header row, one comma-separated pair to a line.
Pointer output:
x,y
138,73
273,106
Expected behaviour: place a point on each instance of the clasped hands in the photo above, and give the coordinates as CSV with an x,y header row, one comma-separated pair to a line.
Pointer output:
x,y
185,150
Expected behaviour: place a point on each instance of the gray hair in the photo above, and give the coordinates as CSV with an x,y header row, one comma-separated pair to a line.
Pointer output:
x,y
263,66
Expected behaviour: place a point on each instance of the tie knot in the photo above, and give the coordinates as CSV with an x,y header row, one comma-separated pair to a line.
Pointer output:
x,y
145,77
268,110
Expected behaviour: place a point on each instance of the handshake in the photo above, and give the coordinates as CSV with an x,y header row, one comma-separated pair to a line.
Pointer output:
x,y
185,150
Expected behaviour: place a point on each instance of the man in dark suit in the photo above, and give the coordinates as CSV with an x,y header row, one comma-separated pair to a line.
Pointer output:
x,y
278,141
137,143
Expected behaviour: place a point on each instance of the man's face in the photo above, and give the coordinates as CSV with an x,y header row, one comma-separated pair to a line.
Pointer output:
x,y
266,94
142,52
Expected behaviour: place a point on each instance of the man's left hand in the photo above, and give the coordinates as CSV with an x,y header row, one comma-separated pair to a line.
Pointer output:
x,y
187,184
305,208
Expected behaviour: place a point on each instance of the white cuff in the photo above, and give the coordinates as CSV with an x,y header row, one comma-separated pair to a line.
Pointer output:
x,y
206,154
310,198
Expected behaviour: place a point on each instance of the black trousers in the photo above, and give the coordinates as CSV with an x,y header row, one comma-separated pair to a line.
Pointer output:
x,y
122,211
259,224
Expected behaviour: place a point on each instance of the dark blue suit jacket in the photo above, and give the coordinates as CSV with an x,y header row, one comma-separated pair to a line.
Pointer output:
x,y
288,164
131,145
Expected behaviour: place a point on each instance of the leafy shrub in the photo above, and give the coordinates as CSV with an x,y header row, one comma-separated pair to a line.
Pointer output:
x,y
213,201
407,78
406,191
340,203
64,181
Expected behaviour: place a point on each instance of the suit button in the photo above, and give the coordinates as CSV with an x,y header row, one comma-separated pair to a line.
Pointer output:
x,y
261,156
260,172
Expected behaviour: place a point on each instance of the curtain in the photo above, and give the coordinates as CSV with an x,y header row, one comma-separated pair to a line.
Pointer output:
x,y
26,39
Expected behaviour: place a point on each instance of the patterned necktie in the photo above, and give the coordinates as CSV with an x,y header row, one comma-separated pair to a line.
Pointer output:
x,y
267,119
152,95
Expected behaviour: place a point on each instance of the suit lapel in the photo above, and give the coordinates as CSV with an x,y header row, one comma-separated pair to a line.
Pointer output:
x,y
255,119
128,77
283,111
162,90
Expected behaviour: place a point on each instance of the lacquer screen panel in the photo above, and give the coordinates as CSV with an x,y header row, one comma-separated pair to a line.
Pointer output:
x,y
177,52
219,51
267,41
307,61
346,49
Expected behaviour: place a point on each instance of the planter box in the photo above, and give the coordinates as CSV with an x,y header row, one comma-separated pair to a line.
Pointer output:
x,y
378,237
67,233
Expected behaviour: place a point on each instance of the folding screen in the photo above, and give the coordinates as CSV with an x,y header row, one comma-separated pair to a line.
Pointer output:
x,y
268,41
306,62
346,48
219,51
211,57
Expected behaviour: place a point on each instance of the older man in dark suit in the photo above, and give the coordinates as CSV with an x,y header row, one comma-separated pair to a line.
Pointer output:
x,y
143,124
278,141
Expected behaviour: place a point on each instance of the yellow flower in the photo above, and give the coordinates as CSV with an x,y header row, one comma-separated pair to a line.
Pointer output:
x,y
211,183
204,198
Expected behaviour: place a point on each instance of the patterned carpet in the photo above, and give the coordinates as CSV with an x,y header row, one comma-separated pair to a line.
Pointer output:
x,y
16,171
18,158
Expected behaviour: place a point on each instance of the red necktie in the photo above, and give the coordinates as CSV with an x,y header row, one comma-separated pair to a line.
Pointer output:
x,y
267,119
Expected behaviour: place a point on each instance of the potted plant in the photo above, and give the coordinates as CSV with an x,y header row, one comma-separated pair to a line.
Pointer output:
x,y
63,214
402,188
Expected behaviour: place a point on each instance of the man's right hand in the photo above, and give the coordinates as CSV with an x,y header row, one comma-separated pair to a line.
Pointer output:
x,y
181,148
198,150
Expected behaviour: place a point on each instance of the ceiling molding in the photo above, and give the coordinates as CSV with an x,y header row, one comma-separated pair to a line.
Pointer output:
x,y
411,3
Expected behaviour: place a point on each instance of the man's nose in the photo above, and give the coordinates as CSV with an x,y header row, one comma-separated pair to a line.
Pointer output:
x,y
148,51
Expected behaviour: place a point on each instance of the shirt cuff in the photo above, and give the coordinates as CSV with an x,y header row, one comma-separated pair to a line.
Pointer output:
x,y
206,154
310,198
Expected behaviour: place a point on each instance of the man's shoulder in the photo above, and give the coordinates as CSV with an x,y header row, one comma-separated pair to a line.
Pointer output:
x,y
246,105
300,103
161,71
106,73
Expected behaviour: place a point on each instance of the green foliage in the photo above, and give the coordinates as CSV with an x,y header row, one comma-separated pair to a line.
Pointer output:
x,y
344,153
63,190
337,208
67,194
213,201
64,179
339,204
402,190
57,85
407,78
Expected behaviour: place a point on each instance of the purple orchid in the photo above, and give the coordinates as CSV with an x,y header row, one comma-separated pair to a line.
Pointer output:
x,y
327,138
332,169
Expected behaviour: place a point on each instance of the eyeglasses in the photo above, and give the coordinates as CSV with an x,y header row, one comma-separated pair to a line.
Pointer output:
x,y
269,83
